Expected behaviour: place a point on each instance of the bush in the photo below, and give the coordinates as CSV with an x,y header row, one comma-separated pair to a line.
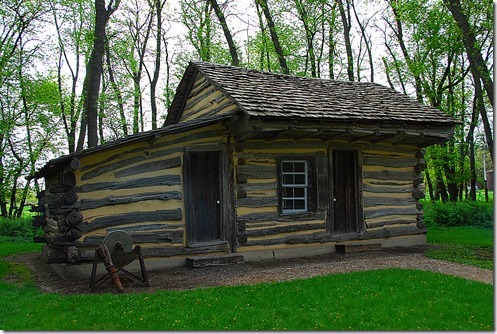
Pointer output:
x,y
18,230
463,213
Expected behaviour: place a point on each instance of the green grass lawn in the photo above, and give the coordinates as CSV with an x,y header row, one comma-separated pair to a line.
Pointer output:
x,y
390,299
466,245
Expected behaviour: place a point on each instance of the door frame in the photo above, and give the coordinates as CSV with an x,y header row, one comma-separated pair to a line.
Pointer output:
x,y
226,223
360,221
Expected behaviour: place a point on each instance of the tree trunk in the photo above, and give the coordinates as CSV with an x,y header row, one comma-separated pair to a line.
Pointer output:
x,y
265,51
94,72
136,69
472,168
440,188
309,36
346,36
450,174
274,37
331,54
477,105
480,108
158,51
429,183
117,91
136,101
400,38
3,186
368,47
472,47
168,73
227,33
101,111
94,69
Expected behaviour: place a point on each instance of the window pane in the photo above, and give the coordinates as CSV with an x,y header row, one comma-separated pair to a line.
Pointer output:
x,y
288,179
299,204
288,192
298,192
300,179
299,167
294,183
287,166
288,204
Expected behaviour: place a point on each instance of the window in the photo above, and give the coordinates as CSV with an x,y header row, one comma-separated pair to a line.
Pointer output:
x,y
294,180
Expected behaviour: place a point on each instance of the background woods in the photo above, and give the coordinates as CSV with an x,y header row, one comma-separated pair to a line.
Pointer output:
x,y
78,73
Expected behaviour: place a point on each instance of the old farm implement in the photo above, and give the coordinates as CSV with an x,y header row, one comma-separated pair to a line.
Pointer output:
x,y
116,252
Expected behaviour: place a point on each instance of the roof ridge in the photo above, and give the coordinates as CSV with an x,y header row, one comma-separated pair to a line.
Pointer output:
x,y
293,76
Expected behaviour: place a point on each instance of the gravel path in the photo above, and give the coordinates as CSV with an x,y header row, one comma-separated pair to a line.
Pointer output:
x,y
256,272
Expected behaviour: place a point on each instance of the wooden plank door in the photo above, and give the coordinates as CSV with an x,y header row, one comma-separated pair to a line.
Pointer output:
x,y
346,207
203,213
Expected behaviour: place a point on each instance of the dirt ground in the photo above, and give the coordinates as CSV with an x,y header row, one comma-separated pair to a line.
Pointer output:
x,y
254,272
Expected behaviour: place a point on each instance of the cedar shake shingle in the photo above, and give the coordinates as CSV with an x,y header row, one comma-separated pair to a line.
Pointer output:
x,y
263,94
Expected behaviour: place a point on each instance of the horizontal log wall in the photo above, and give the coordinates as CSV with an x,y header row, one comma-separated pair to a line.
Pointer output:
x,y
258,221
206,100
137,188
391,190
391,178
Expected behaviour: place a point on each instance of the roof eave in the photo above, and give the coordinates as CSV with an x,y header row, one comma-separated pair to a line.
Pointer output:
x,y
151,136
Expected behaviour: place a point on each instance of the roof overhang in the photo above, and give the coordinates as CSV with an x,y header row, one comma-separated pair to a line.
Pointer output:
x,y
150,136
393,133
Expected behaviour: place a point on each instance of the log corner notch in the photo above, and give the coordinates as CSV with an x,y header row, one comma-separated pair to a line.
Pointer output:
x,y
75,164
418,192
62,215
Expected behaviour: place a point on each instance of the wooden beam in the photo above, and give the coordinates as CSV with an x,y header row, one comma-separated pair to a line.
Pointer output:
x,y
337,135
311,133
153,139
281,134
368,134
383,136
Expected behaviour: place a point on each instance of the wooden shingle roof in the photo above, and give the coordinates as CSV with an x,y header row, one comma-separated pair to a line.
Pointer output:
x,y
263,94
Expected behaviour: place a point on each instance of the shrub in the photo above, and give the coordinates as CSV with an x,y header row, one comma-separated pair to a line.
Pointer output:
x,y
18,230
463,213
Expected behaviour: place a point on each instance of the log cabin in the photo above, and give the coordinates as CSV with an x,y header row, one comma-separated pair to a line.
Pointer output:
x,y
248,166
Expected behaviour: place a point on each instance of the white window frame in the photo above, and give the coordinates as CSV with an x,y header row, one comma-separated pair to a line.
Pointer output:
x,y
304,186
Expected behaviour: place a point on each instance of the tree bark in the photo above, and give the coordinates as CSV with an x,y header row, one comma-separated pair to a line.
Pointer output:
x,y
429,183
117,91
309,36
477,106
159,5
94,69
274,36
400,38
331,41
346,36
265,51
472,47
227,33
480,108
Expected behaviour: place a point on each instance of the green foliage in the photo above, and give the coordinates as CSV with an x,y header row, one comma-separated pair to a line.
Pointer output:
x,y
18,230
462,213
462,236
466,245
391,299
8,248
